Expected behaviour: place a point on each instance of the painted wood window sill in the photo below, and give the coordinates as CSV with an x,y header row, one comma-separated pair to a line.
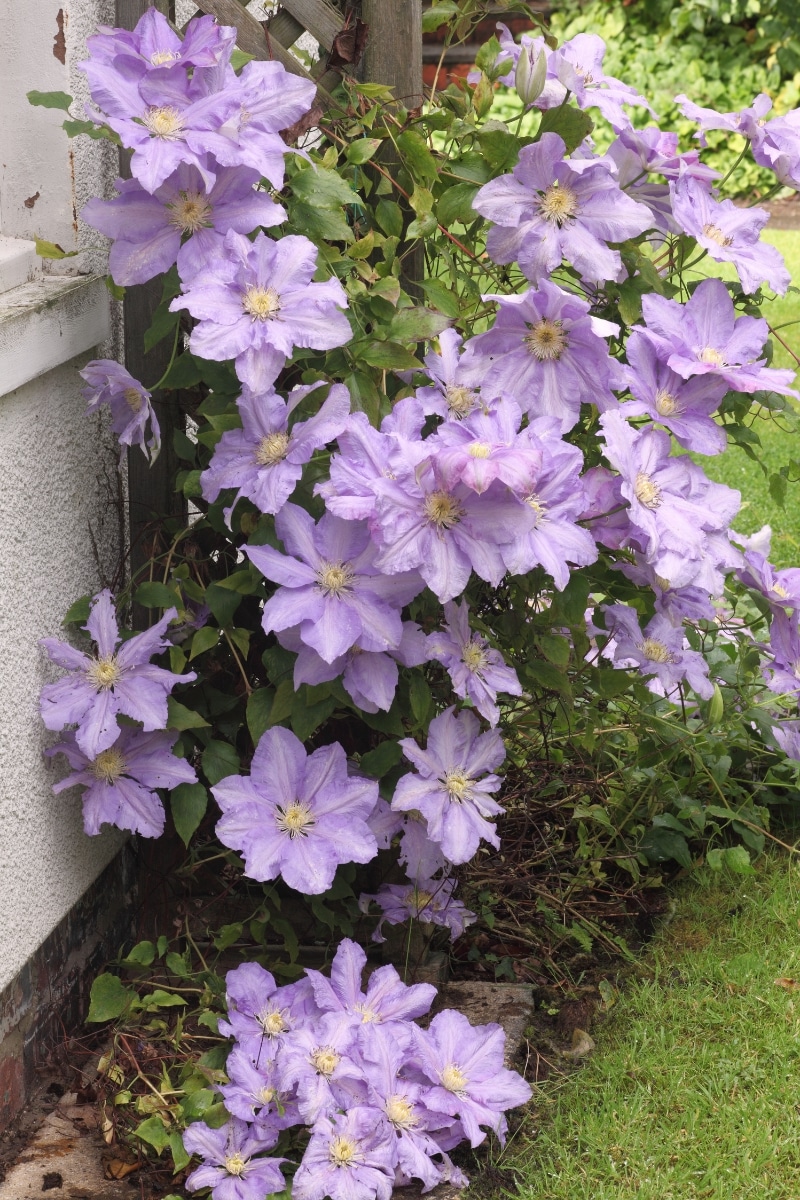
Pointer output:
x,y
47,322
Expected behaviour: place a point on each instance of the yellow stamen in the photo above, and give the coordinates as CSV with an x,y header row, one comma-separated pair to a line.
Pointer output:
x,y
262,304
656,651
418,899
235,1164
272,449
368,1015
474,656
273,1021
647,491
458,785
266,1095
296,820
780,590
454,1079
159,57
715,234
546,340
133,399
712,357
165,123
479,450
443,510
325,1060
335,578
558,204
342,1151
460,400
400,1112
539,507
108,766
666,403
190,212
103,673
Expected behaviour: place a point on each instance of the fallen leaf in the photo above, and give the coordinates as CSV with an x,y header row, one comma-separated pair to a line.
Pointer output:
x,y
117,1169
582,1045
791,985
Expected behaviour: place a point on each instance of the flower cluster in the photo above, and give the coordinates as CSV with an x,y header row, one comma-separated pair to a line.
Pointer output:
x,y
118,766
385,1099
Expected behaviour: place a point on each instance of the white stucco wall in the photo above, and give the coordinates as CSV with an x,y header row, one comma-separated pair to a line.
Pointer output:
x,y
58,469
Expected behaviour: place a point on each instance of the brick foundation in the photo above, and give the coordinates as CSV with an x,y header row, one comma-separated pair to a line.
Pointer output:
x,y
48,999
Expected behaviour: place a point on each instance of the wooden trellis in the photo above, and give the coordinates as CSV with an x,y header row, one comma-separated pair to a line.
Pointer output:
x,y
273,39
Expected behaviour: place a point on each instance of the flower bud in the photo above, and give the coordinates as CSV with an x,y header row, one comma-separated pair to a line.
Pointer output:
x,y
716,707
531,73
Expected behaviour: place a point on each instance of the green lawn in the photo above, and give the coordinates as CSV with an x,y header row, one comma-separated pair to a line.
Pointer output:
x,y
734,467
694,1090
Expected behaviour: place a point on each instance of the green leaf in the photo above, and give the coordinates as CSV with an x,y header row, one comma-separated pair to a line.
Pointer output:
x,y
441,297
571,124
324,224
737,859
223,603
240,59
154,595
97,132
660,845
440,14
778,487
259,706
142,954
205,639
188,803
78,613
163,323
420,698
178,964
158,998
322,188
185,372
227,935
179,1156
219,759
456,205
362,150
180,717
417,157
52,250
500,148
108,999
50,100
283,703
555,649
364,395
153,1132
487,55
379,762
389,356
389,216
114,289
306,718
547,676
417,324
363,247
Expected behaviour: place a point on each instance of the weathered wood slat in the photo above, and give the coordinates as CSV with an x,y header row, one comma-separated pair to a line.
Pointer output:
x,y
285,29
321,20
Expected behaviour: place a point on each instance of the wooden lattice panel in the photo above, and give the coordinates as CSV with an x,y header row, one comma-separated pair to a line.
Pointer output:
x,y
274,38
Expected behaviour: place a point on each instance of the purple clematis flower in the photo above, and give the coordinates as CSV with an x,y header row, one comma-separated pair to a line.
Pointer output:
x,y
256,302
677,604
369,678
148,229
674,508
465,1065
131,411
476,669
684,406
162,116
782,672
637,153
660,652
429,900
547,210
253,1093
154,43
444,533
119,782
547,352
787,736
230,1168
264,459
332,585
484,447
704,336
270,99
421,857
775,144
450,787
549,536
261,1014
386,1001
297,815
780,588
730,234
321,1062
366,456
350,1156
606,511
449,395
120,679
